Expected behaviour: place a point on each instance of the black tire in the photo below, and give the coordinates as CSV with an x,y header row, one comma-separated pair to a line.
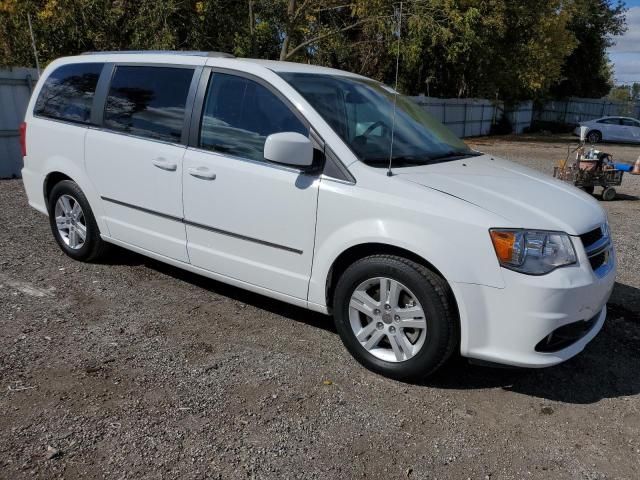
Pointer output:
x,y
590,189
94,247
609,194
594,136
436,299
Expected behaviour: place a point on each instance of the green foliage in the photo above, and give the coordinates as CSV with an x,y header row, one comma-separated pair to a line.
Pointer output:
x,y
587,72
621,93
507,49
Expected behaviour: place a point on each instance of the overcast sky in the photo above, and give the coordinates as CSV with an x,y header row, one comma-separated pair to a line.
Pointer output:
x,y
625,55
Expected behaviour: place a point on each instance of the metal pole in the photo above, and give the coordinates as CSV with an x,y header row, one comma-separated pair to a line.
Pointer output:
x,y
464,123
395,93
33,44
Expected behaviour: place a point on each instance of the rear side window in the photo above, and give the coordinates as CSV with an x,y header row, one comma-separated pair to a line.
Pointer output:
x,y
630,123
67,94
148,101
239,114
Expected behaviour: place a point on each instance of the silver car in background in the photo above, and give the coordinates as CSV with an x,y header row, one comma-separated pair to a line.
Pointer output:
x,y
611,129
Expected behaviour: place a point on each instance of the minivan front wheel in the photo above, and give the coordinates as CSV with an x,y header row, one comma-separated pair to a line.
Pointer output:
x,y
395,316
73,224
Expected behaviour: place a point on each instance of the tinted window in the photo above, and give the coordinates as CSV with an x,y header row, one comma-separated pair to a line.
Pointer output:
x,y
374,121
630,123
148,101
68,92
239,114
610,121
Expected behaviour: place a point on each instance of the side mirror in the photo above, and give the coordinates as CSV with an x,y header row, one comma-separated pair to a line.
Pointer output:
x,y
289,148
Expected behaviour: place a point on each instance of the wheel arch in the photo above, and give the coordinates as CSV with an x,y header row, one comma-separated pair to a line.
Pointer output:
x,y
58,170
50,180
362,250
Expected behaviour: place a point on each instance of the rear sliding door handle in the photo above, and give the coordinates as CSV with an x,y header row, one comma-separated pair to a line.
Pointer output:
x,y
165,164
201,172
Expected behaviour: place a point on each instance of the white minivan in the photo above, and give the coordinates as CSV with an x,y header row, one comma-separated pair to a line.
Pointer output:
x,y
324,189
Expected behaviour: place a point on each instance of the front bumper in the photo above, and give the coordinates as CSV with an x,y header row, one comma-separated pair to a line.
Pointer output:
x,y
505,325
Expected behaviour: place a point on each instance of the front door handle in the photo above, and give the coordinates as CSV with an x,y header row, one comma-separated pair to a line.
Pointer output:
x,y
165,164
202,172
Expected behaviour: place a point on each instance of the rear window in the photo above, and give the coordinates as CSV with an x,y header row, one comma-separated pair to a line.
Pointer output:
x,y
148,101
68,92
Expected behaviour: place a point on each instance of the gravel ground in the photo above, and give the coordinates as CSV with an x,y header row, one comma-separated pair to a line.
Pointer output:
x,y
134,369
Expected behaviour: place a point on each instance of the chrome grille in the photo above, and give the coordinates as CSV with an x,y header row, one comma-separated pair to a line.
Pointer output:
x,y
597,245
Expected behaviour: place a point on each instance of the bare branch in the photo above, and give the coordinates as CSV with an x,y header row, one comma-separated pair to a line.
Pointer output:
x,y
326,35
299,10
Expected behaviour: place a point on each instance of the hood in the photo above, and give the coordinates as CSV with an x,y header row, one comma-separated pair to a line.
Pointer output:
x,y
524,197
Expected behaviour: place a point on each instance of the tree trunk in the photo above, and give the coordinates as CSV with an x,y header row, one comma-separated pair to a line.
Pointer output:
x,y
252,21
291,10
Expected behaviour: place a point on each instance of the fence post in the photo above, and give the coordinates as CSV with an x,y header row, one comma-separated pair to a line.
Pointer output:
x,y
464,122
482,120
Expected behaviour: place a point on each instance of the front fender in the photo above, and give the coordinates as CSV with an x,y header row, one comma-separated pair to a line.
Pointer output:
x,y
458,248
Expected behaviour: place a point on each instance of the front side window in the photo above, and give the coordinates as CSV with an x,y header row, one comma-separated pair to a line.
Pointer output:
x,y
148,101
610,121
239,114
68,92
361,112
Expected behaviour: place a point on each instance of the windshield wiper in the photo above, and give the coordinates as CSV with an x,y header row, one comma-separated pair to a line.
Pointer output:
x,y
454,154
406,160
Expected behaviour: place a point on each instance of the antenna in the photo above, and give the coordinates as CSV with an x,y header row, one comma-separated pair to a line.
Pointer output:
x,y
395,94
33,44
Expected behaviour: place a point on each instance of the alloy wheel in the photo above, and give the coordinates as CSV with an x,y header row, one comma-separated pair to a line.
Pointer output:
x,y
70,222
387,319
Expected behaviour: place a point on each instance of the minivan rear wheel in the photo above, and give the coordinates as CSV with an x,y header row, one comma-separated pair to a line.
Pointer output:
x,y
73,224
396,317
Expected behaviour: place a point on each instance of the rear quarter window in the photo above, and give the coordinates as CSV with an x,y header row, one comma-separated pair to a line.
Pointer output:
x,y
67,94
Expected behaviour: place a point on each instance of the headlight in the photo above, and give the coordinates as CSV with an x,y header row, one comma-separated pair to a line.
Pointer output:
x,y
532,252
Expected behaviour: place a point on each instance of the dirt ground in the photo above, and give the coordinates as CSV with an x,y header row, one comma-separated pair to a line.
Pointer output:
x,y
134,369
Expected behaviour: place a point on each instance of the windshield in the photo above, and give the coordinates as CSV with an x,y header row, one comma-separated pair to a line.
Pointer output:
x,y
361,112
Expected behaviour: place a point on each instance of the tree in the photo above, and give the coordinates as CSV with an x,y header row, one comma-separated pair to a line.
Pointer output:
x,y
507,49
620,93
587,72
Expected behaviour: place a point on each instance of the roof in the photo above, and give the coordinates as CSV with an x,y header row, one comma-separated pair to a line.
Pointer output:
x,y
189,53
273,65
294,67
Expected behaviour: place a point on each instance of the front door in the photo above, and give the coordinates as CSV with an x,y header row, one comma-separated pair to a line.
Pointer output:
x,y
135,160
247,218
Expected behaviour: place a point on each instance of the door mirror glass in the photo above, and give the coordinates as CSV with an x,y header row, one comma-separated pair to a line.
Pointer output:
x,y
289,148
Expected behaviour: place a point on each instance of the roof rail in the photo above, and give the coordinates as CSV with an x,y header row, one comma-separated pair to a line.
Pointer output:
x,y
165,52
